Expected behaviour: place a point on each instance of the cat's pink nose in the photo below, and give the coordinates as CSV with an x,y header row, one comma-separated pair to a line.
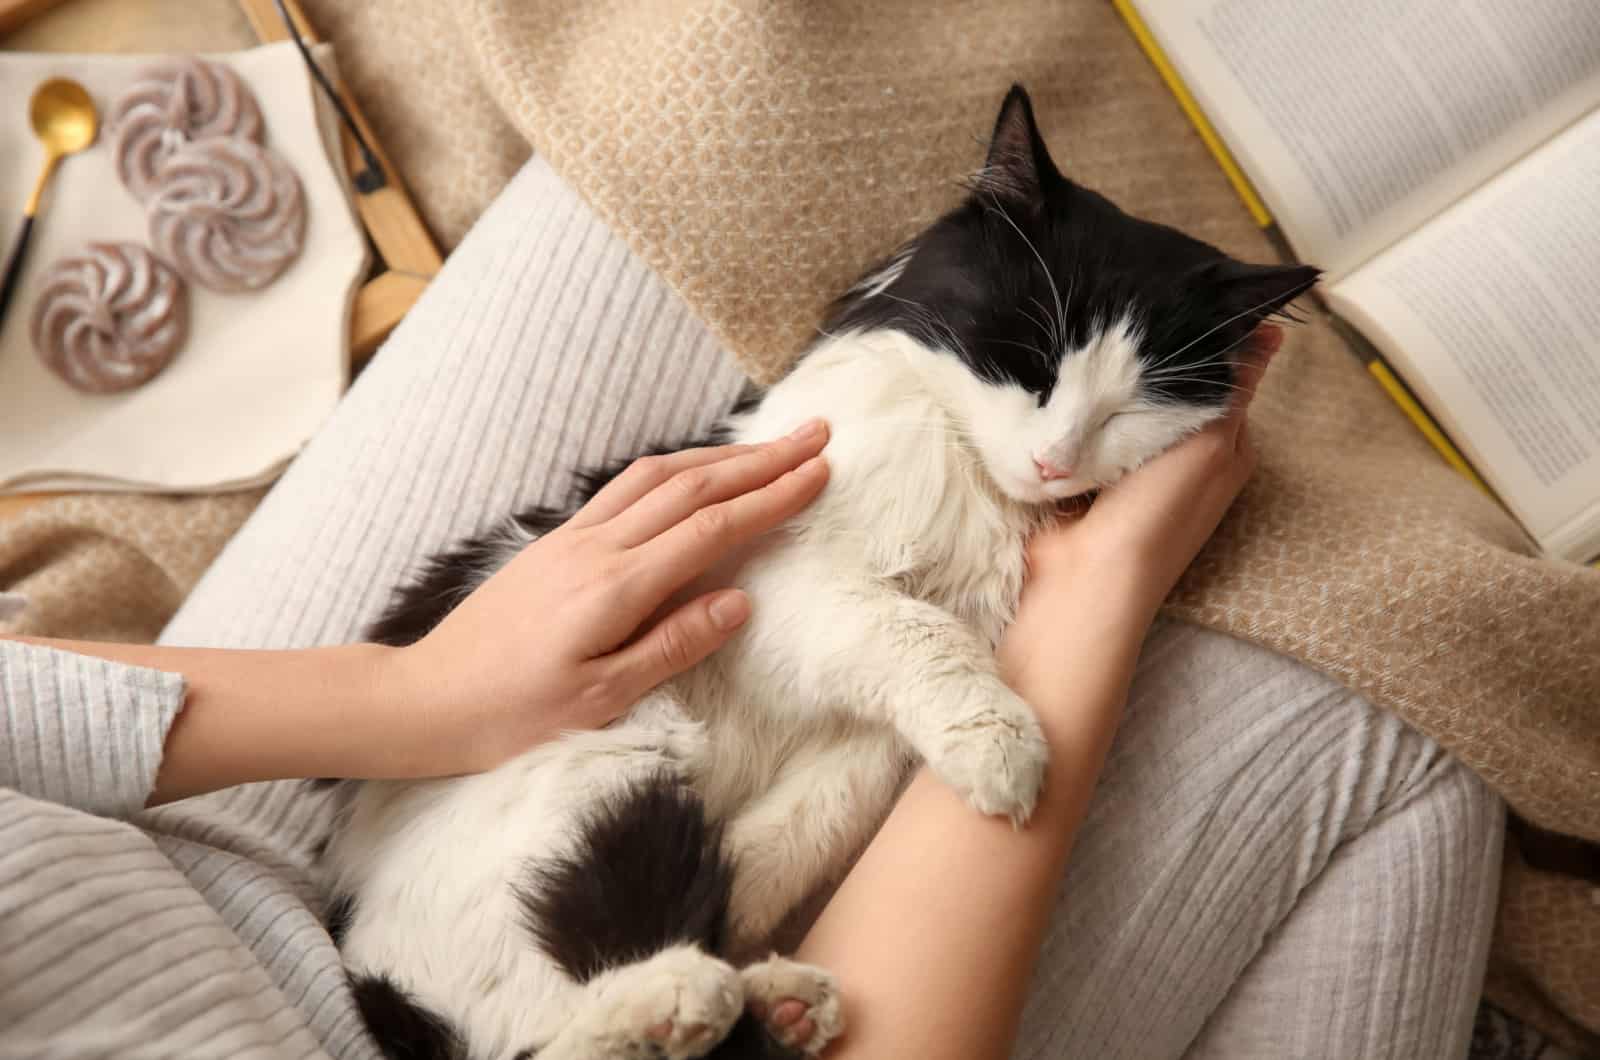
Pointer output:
x,y
1048,471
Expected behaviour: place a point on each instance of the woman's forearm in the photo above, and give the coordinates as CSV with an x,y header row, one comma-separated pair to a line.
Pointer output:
x,y
268,715
935,931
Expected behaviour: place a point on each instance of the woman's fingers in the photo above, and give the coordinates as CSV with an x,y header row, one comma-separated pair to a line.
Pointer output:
x,y
644,475
670,560
695,489
675,643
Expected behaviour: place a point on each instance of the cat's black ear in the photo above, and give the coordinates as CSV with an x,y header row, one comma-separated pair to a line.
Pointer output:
x,y
1018,163
1259,290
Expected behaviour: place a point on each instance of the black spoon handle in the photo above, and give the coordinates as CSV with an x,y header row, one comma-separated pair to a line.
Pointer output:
x,y
19,250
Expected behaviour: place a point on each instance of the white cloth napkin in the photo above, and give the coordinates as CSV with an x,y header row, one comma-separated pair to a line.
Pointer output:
x,y
260,371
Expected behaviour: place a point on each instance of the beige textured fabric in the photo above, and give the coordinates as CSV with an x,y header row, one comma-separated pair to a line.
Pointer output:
x,y
409,66
112,566
1546,953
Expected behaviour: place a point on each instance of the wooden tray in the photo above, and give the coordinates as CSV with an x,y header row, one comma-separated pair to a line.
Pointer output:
x,y
407,255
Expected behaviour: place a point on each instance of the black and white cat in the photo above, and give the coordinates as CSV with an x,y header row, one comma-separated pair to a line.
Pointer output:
x,y
582,902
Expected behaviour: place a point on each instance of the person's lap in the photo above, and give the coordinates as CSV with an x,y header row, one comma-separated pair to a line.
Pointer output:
x,y
1269,860
1271,867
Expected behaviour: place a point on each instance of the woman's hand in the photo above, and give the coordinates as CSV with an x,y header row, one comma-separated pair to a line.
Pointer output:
x,y
570,633
1108,568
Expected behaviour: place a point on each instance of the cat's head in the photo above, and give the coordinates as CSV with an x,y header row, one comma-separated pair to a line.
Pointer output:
x,y
1077,341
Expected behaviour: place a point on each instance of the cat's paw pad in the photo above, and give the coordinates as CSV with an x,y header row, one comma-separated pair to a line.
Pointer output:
x,y
680,1003
797,1003
996,759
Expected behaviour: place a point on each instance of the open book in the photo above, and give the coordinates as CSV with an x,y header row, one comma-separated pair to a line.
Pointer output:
x,y
1441,160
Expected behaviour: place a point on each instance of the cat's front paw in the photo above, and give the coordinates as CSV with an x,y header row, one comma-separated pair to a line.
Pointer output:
x,y
797,1003
995,757
676,1005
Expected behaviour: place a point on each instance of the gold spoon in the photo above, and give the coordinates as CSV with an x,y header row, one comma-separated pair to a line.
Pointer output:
x,y
64,121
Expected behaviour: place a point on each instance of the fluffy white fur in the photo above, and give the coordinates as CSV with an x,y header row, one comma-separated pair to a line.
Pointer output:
x,y
871,641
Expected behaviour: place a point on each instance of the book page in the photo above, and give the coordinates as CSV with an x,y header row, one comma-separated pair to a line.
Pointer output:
x,y
1491,314
1360,119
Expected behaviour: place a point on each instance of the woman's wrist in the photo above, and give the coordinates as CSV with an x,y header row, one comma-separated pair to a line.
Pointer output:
x,y
1101,610
276,715
419,710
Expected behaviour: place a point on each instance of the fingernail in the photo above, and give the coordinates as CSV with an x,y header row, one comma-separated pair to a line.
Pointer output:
x,y
808,430
816,465
729,610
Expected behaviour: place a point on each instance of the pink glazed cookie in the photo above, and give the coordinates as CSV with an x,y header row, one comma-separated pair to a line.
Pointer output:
x,y
109,319
228,214
173,103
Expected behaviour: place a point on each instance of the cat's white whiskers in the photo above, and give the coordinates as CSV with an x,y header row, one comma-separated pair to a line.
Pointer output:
x,y
933,320
1056,333
1201,379
1044,358
1055,291
1258,307
1048,332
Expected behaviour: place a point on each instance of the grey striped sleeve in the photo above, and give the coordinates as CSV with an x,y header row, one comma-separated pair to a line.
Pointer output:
x,y
82,731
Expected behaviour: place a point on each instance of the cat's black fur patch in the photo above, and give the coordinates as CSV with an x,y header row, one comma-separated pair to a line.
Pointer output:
x,y
404,1029
646,871
1032,265
341,907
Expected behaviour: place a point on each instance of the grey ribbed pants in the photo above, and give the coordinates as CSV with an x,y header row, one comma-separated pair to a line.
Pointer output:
x,y
1271,867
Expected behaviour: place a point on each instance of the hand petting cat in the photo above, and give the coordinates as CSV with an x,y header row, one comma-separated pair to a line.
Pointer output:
x,y
562,637
567,636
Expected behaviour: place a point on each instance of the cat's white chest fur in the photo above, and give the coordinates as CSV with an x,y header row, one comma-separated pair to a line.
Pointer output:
x,y
876,611
908,500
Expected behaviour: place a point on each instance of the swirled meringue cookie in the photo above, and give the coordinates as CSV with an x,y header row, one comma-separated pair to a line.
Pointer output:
x,y
173,103
110,318
228,214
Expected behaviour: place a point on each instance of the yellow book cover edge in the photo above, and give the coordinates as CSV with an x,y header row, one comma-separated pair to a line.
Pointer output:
x,y
1424,423
1169,74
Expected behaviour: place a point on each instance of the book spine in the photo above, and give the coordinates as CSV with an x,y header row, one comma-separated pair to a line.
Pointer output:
x,y
1169,74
